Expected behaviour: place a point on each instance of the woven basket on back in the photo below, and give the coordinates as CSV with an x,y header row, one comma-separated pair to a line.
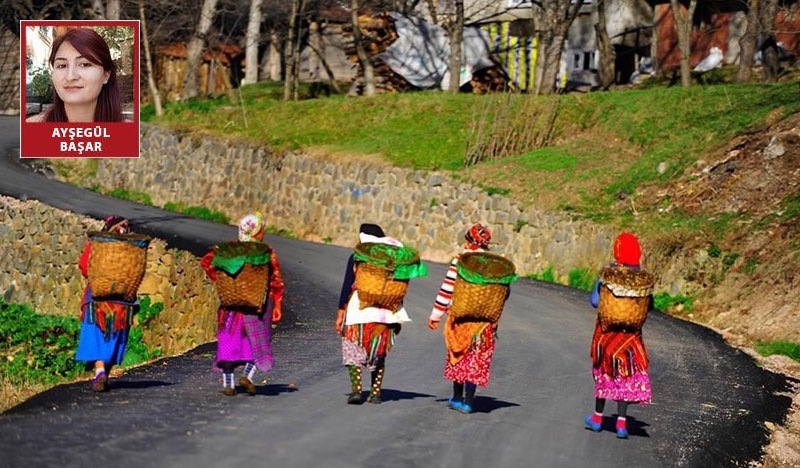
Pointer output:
x,y
377,287
117,264
625,296
475,301
248,288
242,278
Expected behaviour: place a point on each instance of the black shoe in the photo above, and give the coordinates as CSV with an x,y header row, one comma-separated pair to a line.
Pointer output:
x,y
374,398
354,398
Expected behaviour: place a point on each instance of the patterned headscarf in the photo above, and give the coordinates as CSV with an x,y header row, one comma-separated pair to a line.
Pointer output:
x,y
117,224
627,250
479,236
251,227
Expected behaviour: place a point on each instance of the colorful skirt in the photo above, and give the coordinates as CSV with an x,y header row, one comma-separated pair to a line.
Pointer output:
x,y
367,344
96,345
243,338
474,364
620,367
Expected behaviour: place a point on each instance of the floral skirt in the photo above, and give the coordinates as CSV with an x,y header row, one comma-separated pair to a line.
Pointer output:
x,y
633,389
366,345
474,366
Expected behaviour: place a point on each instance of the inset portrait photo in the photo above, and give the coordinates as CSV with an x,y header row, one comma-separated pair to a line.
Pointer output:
x,y
80,89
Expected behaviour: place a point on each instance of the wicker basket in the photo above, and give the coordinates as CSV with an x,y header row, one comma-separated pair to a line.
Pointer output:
x,y
117,264
247,288
481,301
242,279
377,287
625,296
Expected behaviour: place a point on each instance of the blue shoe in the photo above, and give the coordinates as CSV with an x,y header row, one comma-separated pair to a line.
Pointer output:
x,y
454,404
622,432
592,425
465,408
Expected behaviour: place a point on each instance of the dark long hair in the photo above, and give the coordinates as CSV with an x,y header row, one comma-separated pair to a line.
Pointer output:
x,y
94,48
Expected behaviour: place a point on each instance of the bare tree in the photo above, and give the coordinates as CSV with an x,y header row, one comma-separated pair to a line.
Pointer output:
x,y
251,42
151,82
455,30
684,19
194,50
363,57
553,18
292,51
769,45
606,51
747,43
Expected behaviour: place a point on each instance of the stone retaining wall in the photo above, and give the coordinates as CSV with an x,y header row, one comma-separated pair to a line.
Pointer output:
x,y
39,251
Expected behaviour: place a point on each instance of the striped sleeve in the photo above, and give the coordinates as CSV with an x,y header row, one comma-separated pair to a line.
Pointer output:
x,y
445,295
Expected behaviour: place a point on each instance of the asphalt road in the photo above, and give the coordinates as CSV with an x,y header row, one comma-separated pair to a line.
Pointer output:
x,y
709,406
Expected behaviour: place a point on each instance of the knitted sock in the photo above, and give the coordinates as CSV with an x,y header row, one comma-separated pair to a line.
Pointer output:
x,y
99,370
622,422
469,393
227,380
249,370
597,418
458,391
355,378
377,380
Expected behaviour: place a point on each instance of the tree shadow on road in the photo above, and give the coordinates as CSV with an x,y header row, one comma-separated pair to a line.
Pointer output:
x,y
118,384
275,389
387,394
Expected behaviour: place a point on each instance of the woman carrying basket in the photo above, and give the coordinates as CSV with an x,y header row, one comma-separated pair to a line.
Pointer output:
x,y
104,323
470,344
619,359
244,337
367,334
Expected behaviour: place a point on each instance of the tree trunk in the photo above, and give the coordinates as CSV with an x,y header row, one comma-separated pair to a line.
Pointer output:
x,y
194,50
113,9
769,46
607,58
456,40
272,68
558,16
251,43
363,58
684,25
289,51
296,52
151,82
747,43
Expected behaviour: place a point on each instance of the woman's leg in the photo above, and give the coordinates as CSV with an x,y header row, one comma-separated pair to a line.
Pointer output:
x,y
622,419
246,380
595,421
228,387
469,397
377,382
100,381
355,385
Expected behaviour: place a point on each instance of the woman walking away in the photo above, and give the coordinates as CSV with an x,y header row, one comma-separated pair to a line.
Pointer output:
x,y
104,323
470,343
244,334
368,330
619,359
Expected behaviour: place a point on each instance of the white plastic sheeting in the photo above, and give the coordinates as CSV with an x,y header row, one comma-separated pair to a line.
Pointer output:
x,y
421,53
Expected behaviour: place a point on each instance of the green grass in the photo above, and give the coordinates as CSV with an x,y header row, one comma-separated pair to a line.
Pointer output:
x,y
547,275
582,278
666,302
785,348
200,212
137,197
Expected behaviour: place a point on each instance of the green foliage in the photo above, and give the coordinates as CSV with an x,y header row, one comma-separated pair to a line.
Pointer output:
x,y
665,302
729,259
750,266
280,232
547,275
496,191
582,278
137,351
36,347
41,84
714,251
137,197
785,348
521,223
200,212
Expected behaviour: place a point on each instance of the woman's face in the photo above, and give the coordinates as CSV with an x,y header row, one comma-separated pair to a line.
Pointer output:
x,y
77,80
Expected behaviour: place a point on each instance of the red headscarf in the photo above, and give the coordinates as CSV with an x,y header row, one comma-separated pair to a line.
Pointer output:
x,y
627,250
479,235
